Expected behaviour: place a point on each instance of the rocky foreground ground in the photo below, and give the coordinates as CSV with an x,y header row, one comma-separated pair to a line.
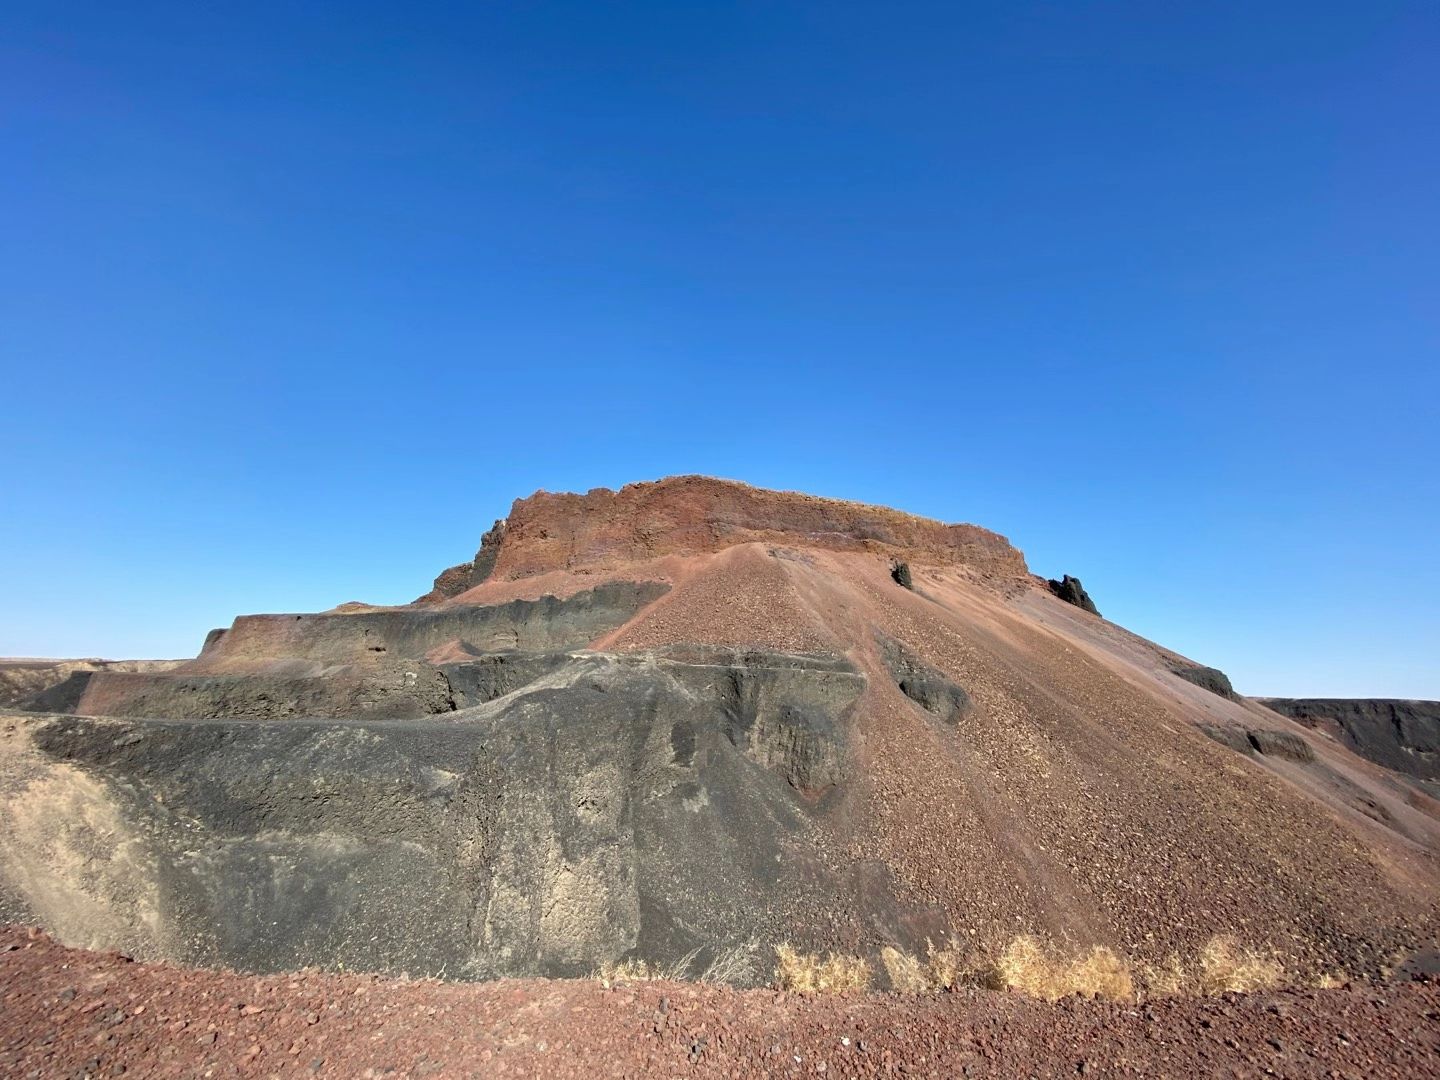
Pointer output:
x,y
70,1013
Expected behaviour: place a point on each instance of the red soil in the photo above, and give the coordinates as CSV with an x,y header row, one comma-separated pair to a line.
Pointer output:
x,y
67,1013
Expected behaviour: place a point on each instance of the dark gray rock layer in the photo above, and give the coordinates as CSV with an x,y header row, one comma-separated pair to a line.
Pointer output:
x,y
367,664
592,807
1400,734
1207,678
923,684
546,623
1267,741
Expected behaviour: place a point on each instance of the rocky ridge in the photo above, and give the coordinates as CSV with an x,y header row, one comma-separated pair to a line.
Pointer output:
x,y
692,515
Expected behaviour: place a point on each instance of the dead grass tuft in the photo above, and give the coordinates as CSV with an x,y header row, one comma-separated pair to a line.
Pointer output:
x,y
1028,967
726,967
807,973
947,967
907,974
1222,966
1227,967
635,970
624,971
942,969
1100,973
1167,980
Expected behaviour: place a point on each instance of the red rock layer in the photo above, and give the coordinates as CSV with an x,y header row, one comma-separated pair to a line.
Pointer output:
x,y
688,515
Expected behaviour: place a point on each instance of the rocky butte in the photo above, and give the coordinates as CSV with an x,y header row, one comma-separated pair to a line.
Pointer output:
x,y
684,723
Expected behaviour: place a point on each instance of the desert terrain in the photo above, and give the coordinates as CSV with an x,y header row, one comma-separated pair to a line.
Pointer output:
x,y
696,777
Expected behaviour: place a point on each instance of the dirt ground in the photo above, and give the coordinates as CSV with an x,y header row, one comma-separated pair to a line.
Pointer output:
x,y
71,1013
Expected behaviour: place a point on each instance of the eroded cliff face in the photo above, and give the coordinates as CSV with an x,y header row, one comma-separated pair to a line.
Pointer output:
x,y
692,515
582,808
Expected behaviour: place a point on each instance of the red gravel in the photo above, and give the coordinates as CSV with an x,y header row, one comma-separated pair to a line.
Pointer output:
x,y
70,1013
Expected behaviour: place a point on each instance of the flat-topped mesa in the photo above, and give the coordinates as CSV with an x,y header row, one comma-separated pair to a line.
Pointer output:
x,y
691,515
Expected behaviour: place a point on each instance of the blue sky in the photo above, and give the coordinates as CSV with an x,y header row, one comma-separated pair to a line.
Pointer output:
x,y
296,298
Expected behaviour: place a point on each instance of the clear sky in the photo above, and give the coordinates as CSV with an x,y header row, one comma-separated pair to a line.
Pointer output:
x,y
296,298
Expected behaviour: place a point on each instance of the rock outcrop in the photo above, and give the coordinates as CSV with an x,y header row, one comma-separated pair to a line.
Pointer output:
x,y
688,515
645,805
1071,591
457,579
1207,678
923,684
1266,741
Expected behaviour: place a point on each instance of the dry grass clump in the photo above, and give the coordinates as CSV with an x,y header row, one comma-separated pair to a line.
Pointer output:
x,y
1223,966
728,967
907,974
942,969
946,967
1168,980
611,975
1029,967
1227,967
725,967
626,971
807,973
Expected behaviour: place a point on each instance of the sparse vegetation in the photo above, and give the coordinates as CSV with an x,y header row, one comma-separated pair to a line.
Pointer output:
x,y
1223,966
1031,968
1027,965
907,974
1166,980
946,966
627,971
942,969
808,973
725,967
1226,967
633,969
